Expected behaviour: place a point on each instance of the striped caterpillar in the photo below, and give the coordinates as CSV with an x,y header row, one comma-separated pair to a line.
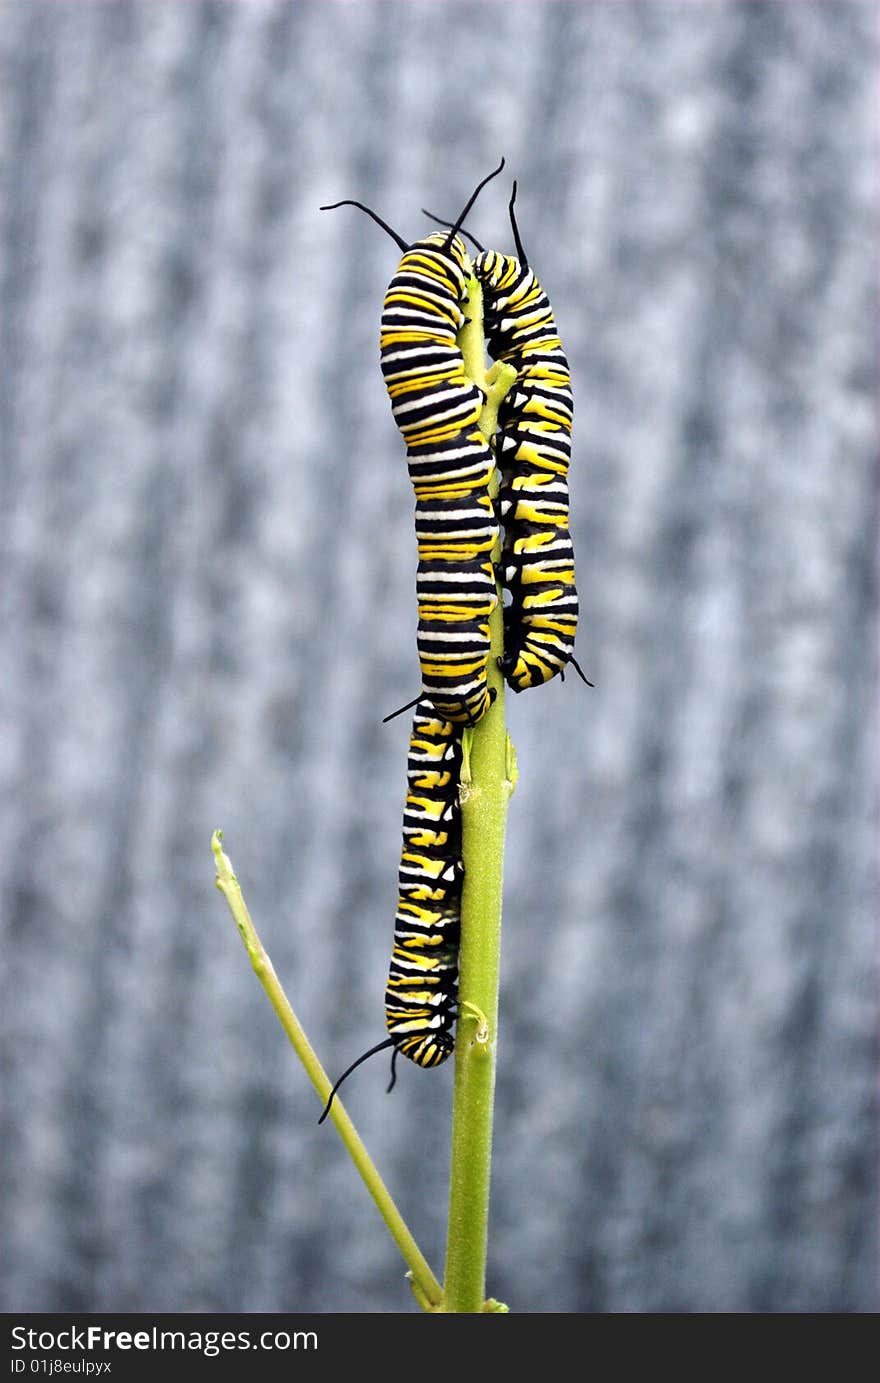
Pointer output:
x,y
422,991
437,409
534,451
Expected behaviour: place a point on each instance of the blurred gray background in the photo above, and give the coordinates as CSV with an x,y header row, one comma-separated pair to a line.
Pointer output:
x,y
207,605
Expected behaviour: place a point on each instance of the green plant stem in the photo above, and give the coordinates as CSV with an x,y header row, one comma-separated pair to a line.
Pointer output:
x,y
425,1285
486,788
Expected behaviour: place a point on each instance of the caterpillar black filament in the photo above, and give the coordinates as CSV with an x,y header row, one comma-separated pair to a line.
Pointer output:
x,y
422,992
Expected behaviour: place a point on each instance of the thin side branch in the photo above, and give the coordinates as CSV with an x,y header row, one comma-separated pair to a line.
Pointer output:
x,y
425,1285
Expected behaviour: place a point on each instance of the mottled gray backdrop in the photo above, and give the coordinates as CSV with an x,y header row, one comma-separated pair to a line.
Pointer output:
x,y
207,605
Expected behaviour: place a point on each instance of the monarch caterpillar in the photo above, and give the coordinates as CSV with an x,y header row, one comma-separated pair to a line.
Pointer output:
x,y
422,990
437,409
534,451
